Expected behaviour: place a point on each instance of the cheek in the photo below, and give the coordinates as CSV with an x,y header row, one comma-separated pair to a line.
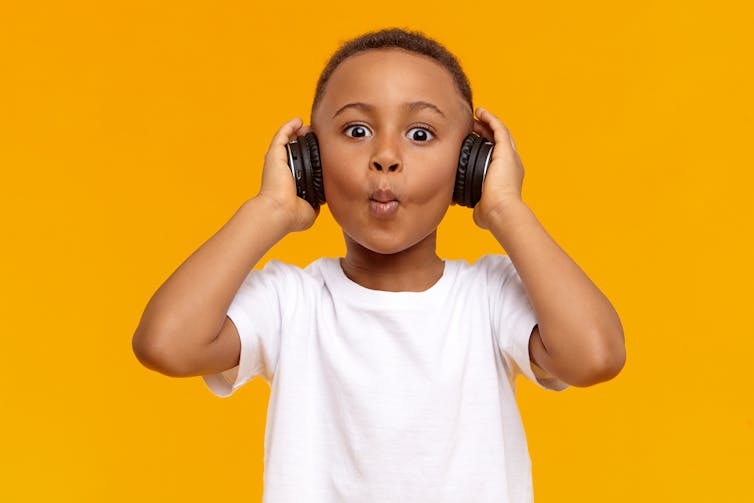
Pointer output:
x,y
437,179
338,164
344,186
341,177
335,164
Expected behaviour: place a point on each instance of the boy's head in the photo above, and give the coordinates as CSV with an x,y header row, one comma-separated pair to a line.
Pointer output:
x,y
391,111
396,38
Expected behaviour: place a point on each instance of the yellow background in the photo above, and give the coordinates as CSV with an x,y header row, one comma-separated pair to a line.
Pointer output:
x,y
130,132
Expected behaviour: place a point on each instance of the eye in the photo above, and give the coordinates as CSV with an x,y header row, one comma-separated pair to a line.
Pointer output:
x,y
357,131
420,134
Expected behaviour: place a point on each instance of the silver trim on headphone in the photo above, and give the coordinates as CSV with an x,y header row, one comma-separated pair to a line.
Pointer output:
x,y
290,158
487,161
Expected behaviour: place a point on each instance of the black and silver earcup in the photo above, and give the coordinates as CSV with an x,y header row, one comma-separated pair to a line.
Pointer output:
x,y
306,168
473,161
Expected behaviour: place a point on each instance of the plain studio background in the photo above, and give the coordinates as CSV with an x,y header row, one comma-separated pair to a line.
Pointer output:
x,y
131,132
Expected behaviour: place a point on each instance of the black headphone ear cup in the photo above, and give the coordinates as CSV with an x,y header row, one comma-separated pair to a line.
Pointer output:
x,y
473,162
306,168
318,187
296,163
461,174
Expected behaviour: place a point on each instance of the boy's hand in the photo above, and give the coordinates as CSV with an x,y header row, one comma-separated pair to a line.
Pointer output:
x,y
505,174
278,186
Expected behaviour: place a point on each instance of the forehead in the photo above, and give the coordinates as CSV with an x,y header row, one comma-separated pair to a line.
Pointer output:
x,y
391,77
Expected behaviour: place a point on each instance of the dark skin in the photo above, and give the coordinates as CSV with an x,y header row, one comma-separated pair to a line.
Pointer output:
x,y
390,125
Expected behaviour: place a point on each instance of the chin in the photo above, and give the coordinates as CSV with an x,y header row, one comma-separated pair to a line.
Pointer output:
x,y
386,250
385,244
380,246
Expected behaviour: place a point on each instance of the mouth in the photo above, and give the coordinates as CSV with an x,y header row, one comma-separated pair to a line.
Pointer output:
x,y
383,203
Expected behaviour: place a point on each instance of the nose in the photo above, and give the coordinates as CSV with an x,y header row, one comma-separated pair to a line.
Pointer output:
x,y
391,167
386,156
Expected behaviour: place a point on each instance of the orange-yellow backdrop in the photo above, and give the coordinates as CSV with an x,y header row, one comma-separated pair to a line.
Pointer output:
x,y
131,132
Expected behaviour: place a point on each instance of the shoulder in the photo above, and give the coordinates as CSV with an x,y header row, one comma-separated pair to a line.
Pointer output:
x,y
487,266
492,277
282,275
321,268
493,261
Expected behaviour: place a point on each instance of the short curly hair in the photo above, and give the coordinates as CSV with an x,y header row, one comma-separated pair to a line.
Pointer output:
x,y
413,41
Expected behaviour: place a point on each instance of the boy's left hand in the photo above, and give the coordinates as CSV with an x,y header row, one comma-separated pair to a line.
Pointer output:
x,y
505,174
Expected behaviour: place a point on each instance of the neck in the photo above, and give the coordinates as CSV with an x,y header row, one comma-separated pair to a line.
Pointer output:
x,y
415,269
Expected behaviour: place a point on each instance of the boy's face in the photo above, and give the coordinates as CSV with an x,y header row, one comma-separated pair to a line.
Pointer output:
x,y
390,126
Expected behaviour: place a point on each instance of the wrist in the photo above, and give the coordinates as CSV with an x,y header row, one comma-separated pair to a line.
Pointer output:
x,y
487,212
506,208
274,212
510,220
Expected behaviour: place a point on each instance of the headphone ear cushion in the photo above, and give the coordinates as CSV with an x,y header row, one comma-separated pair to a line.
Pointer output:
x,y
317,196
473,162
460,188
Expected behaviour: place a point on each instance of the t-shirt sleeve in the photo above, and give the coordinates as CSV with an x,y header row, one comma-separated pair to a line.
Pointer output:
x,y
257,311
513,319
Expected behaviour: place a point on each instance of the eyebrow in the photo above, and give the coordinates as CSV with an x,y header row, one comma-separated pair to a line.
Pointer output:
x,y
414,105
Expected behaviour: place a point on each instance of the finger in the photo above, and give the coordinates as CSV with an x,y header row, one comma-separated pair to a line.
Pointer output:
x,y
483,130
502,135
285,133
303,130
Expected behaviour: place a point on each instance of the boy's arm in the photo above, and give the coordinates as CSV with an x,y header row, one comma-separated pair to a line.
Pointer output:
x,y
579,337
185,316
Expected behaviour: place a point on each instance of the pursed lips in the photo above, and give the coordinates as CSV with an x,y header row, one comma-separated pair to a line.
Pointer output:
x,y
383,203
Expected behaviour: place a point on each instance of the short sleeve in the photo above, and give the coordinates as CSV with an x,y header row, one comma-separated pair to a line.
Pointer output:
x,y
257,311
513,319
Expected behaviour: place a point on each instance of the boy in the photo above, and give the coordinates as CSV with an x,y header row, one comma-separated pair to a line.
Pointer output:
x,y
392,371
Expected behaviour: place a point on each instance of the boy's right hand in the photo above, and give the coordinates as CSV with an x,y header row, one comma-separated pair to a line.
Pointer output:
x,y
278,186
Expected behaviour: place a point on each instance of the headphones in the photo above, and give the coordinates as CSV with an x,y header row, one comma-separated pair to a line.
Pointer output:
x,y
306,168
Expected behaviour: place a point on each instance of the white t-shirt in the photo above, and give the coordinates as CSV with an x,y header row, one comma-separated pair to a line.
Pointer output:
x,y
388,397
